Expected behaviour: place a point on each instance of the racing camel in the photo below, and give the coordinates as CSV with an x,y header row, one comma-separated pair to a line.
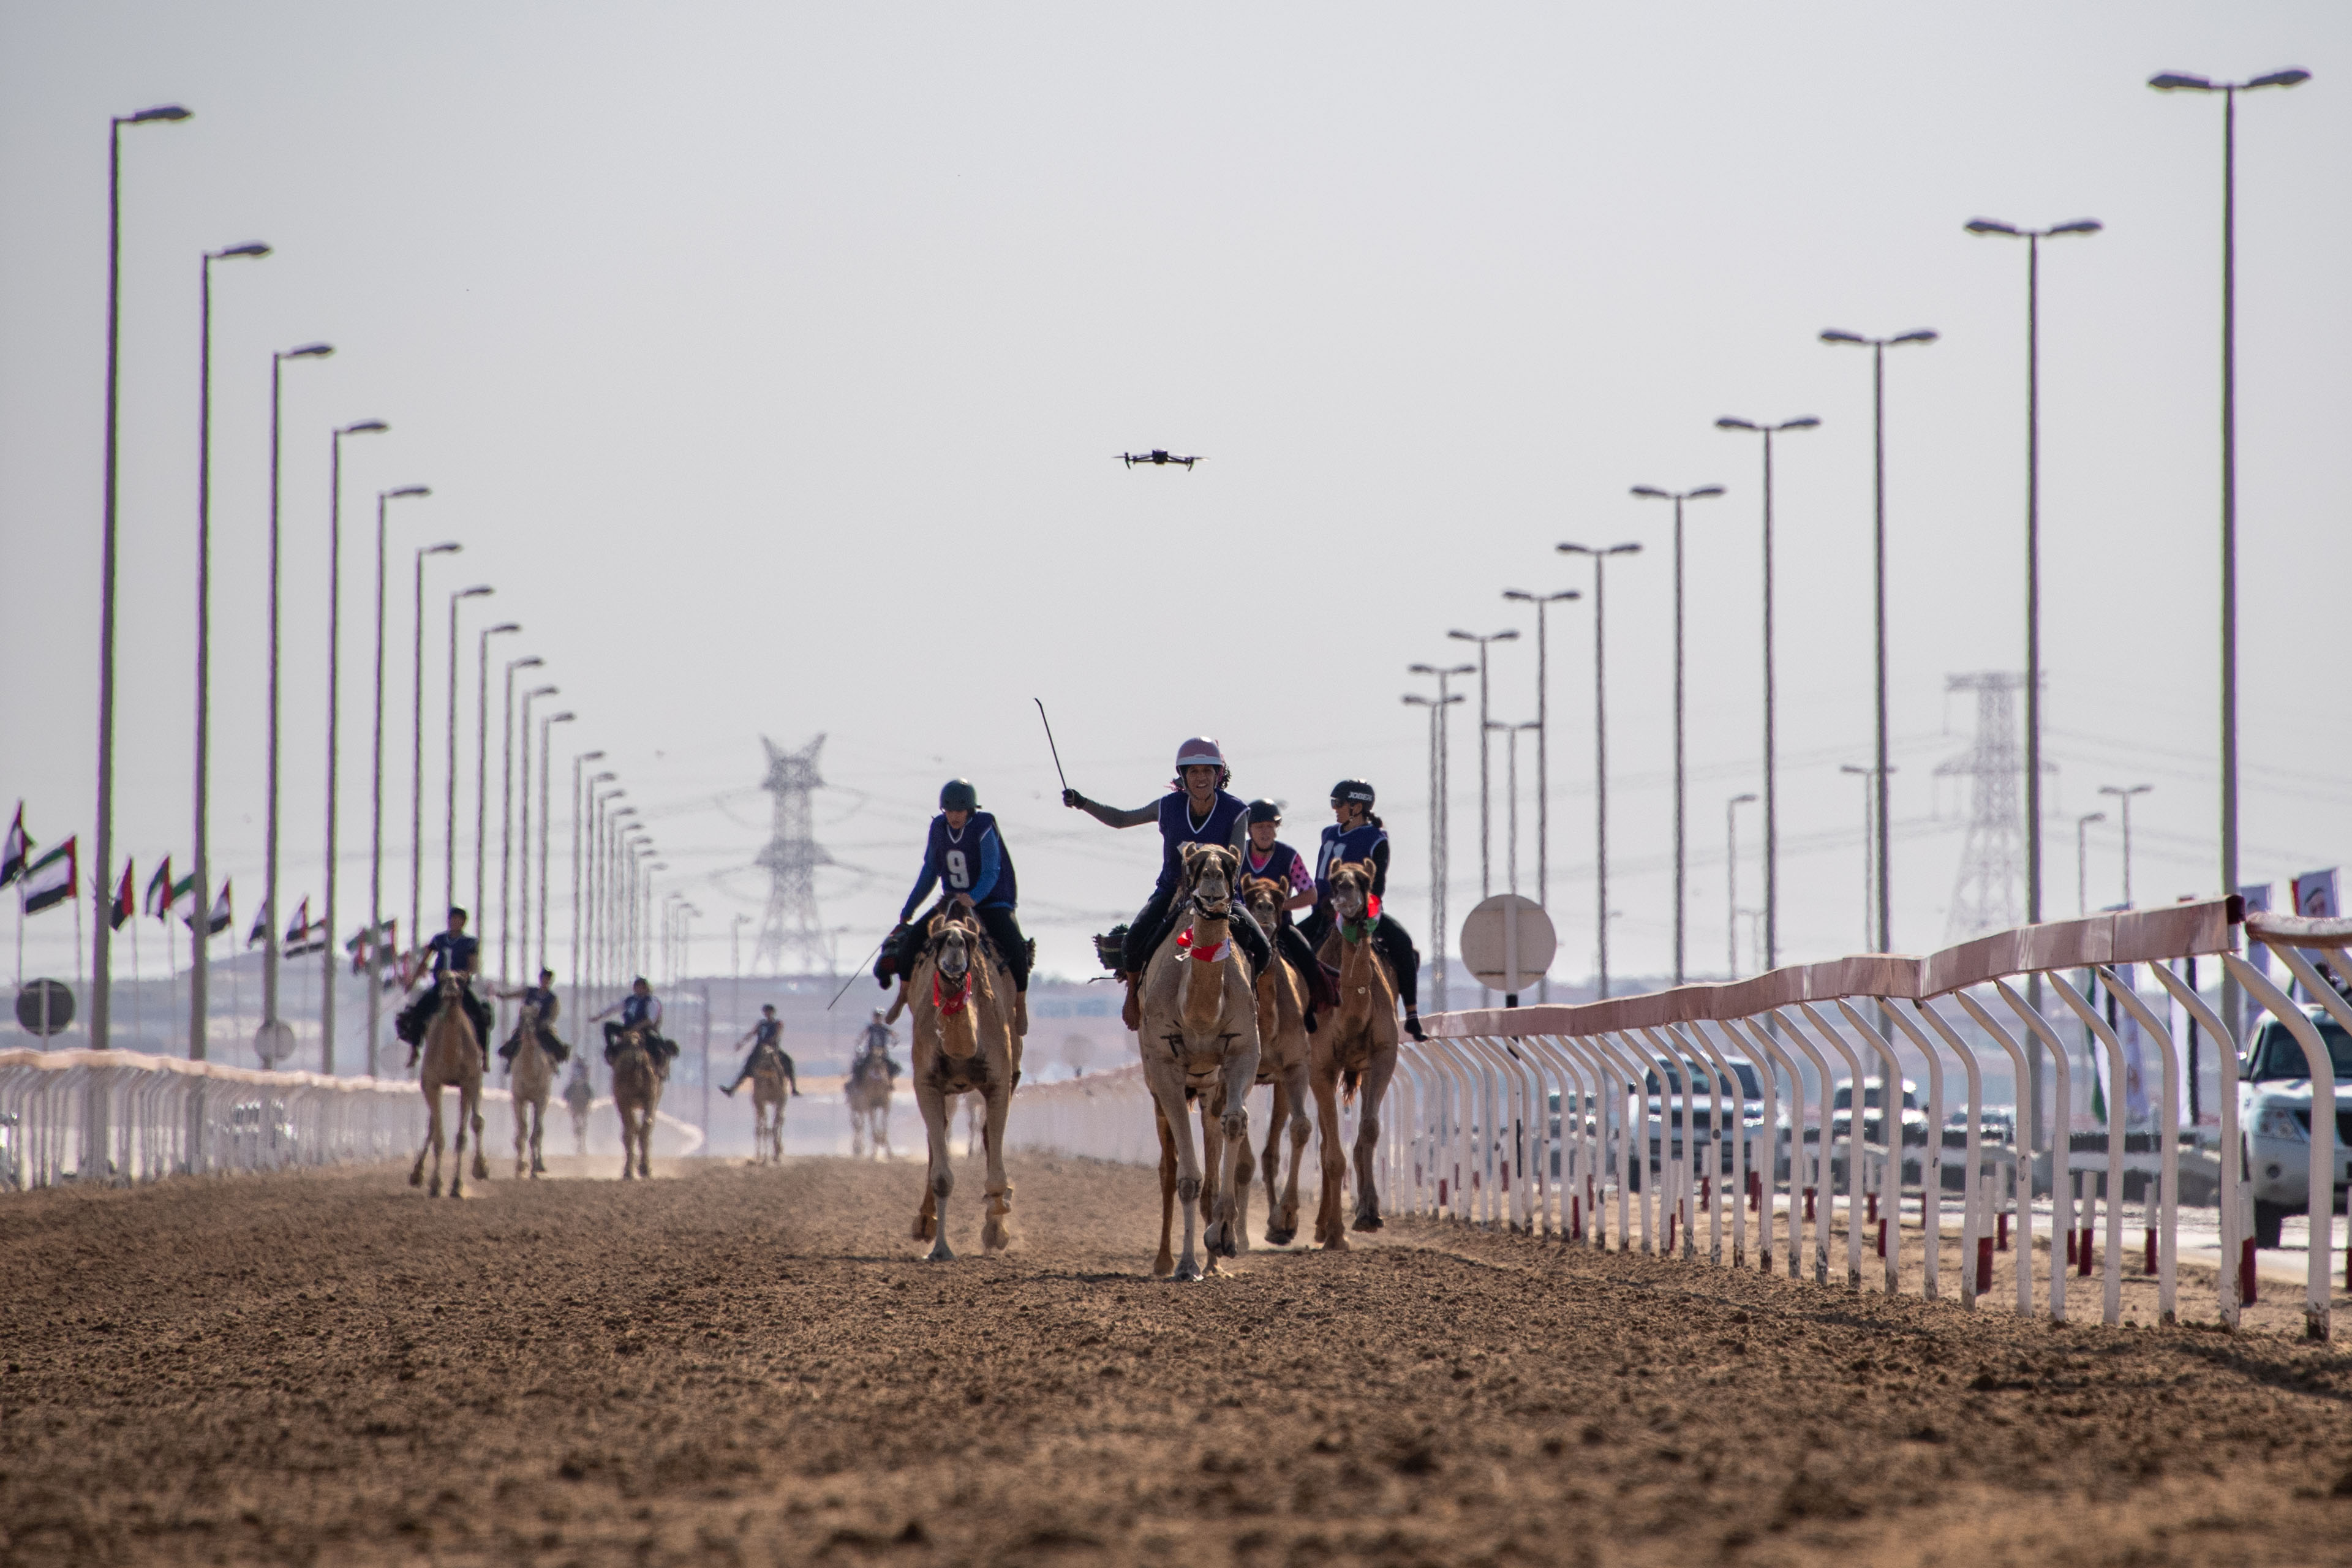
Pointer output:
x,y
1354,1051
768,1091
1282,1063
453,1057
531,1079
867,1096
1200,1041
963,1044
637,1094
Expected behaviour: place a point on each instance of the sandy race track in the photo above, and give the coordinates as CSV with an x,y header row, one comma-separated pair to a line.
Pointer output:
x,y
752,1366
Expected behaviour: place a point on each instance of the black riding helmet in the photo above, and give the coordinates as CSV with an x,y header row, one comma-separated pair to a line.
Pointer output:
x,y
957,795
1351,789
1264,811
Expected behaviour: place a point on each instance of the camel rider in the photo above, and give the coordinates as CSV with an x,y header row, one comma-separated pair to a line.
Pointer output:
x,y
1197,809
1356,837
965,857
451,951
539,1009
1268,859
640,1010
875,1055
881,1037
579,1095
767,1035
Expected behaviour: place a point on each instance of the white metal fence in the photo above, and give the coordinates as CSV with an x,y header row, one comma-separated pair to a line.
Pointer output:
x,y
123,1116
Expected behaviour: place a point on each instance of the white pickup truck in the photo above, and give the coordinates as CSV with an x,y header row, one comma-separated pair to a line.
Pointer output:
x,y
2274,1120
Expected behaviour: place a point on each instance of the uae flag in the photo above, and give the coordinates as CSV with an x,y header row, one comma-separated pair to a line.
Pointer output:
x,y
13,858
126,902
52,880
184,899
223,915
302,937
158,891
260,931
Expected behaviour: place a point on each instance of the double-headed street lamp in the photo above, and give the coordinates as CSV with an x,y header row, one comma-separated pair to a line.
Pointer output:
x,y
522,899
482,768
1438,869
376,799
506,819
1485,792
1601,555
1878,347
1651,492
2124,796
450,823
200,926
101,951
274,941
1543,741
335,725
2181,81
563,718
1771,770
416,759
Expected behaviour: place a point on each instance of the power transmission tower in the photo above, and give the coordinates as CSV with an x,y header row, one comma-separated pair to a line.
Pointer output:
x,y
1988,894
792,928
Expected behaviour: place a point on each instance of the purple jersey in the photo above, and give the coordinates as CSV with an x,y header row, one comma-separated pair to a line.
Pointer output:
x,y
1179,826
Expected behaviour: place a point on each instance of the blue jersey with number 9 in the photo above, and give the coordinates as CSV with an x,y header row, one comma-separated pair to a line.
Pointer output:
x,y
973,862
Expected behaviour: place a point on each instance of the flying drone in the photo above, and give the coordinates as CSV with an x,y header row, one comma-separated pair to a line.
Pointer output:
x,y
1156,457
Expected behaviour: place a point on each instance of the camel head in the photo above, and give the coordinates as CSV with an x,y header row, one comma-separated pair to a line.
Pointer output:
x,y
1351,889
959,975
1209,878
1263,897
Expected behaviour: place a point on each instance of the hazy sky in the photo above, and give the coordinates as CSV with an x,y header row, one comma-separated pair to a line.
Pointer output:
x,y
770,361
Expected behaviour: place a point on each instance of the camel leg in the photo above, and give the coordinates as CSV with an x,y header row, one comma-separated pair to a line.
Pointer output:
x,y
857,1133
432,1144
1290,1103
457,1163
538,1137
645,1142
1168,1088
1165,1264
628,1140
1240,1076
996,1232
938,1179
1269,1164
882,1127
1372,1092
1237,1194
522,1135
1329,1231
473,1103
1213,1183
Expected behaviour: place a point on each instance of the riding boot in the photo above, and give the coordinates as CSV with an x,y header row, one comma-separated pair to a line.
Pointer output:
x,y
1021,1012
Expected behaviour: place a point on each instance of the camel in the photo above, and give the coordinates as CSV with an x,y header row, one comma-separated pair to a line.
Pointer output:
x,y
1282,1063
452,1056
768,1108
1355,1050
868,1095
530,1078
963,1044
579,1098
636,1093
1200,1041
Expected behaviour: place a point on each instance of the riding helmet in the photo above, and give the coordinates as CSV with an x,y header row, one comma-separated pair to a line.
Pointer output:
x,y
1264,811
1202,751
957,795
1352,789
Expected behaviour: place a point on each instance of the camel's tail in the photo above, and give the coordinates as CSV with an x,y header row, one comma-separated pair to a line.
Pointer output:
x,y
1348,1081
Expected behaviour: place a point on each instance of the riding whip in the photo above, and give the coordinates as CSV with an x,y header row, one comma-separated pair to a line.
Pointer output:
x,y
854,973
1049,743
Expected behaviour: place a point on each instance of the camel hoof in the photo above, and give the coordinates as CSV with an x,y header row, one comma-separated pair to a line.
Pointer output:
x,y
995,1236
1368,1221
1336,1243
1188,1271
435,1190
416,1178
456,1187
1274,1237
1162,1266
940,1252
481,1169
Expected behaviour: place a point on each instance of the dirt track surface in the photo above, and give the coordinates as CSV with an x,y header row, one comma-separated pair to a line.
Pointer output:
x,y
752,1366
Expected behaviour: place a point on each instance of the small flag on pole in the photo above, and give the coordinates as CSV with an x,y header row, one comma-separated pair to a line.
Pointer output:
x,y
183,897
158,891
53,878
14,857
126,899
302,937
260,931
224,913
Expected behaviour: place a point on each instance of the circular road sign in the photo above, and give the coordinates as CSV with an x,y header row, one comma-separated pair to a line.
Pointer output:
x,y
273,1043
45,1007
1488,933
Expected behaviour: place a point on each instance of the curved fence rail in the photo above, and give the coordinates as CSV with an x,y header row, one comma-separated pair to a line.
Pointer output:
x,y
123,1116
1554,1121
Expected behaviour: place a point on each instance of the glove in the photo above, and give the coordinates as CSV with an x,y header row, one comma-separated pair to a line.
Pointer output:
x,y
1373,907
1072,799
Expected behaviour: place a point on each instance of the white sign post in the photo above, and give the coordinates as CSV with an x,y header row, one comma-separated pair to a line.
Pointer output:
x,y
1508,942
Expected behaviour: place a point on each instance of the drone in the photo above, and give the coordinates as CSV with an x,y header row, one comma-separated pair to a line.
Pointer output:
x,y
1157,456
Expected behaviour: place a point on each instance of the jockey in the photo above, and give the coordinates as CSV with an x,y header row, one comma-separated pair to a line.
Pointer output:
x,y
767,1035
539,1009
1197,809
453,953
640,1010
1356,837
874,1056
965,857
1269,858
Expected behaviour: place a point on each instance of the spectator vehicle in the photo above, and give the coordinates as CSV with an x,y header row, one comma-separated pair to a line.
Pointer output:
x,y
2274,1120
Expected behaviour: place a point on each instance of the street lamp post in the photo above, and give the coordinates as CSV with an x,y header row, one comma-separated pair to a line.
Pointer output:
x,y
375,796
506,819
1878,347
335,725
101,947
1651,492
1771,771
564,718
580,789
417,759
482,767
2181,81
523,897
1441,827
1543,749
1600,733
449,821
2124,796
2083,860
1485,794
1731,875
275,939
200,923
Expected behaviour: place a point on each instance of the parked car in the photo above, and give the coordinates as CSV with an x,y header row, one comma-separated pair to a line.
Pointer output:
x,y
2274,1120
1746,1091
1874,1099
